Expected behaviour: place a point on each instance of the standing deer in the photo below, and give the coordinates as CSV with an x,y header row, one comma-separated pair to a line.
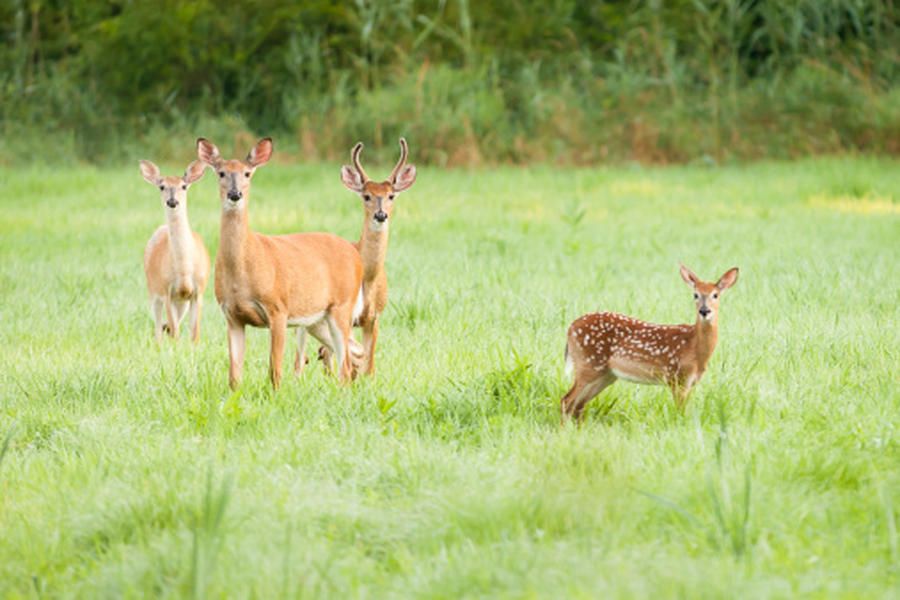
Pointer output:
x,y
175,260
378,204
307,280
603,347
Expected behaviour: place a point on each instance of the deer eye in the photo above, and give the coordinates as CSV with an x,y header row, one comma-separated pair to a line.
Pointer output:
x,y
367,197
696,296
221,173
162,187
716,295
184,186
390,197
247,174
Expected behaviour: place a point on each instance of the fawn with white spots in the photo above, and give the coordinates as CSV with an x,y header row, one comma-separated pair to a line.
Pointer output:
x,y
306,280
604,347
176,262
378,203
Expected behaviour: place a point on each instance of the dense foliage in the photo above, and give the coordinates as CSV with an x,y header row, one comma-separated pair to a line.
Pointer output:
x,y
507,80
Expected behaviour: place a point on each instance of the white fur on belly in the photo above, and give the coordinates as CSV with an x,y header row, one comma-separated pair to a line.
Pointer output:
x,y
635,378
307,320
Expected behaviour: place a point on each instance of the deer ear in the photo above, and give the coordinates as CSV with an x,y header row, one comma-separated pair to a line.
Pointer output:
x,y
728,279
207,152
351,179
194,171
689,277
405,178
260,153
150,172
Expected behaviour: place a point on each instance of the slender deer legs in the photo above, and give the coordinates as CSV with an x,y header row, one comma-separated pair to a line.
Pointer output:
x,y
158,309
236,342
300,360
196,311
370,337
582,392
278,331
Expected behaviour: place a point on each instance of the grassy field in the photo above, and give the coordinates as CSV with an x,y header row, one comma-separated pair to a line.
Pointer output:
x,y
129,469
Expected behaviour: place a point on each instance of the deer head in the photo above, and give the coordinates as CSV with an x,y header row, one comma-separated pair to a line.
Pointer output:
x,y
234,174
706,295
378,198
173,190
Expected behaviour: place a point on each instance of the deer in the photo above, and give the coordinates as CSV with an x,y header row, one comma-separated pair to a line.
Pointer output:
x,y
312,281
378,204
176,262
604,347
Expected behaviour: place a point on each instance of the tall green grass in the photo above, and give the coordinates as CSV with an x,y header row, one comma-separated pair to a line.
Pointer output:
x,y
130,469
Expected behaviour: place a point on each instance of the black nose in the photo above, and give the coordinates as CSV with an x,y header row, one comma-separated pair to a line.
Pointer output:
x,y
704,311
381,216
171,203
234,196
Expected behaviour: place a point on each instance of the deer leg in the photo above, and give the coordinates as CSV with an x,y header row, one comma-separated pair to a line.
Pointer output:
x,y
370,337
339,327
300,360
278,333
236,341
171,318
583,392
181,309
196,311
156,307
680,393
321,332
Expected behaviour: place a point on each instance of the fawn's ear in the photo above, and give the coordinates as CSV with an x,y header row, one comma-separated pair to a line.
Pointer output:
x,y
260,153
207,152
689,277
150,172
351,179
405,178
728,279
194,171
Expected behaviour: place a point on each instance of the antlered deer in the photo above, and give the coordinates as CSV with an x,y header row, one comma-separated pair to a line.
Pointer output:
x,y
306,280
603,347
378,205
176,262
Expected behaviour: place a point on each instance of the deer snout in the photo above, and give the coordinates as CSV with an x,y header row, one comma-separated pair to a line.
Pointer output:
x,y
705,311
380,216
234,195
171,202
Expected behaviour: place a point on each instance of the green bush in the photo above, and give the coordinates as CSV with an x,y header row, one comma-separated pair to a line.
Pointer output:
x,y
507,81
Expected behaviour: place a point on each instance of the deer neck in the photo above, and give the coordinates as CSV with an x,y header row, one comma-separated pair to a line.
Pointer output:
x,y
706,334
181,241
373,250
235,238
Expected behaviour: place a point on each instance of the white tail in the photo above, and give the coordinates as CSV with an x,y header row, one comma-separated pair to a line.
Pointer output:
x,y
378,205
176,262
603,347
305,280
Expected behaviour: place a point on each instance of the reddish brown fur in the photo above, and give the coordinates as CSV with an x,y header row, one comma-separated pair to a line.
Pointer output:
x,y
603,347
378,201
266,281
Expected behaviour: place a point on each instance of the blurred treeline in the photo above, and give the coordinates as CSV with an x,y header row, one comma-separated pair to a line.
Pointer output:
x,y
469,82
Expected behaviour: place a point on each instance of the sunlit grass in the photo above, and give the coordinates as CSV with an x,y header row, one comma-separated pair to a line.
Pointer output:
x,y
131,469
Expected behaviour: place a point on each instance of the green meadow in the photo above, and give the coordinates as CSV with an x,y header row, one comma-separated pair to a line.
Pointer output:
x,y
129,469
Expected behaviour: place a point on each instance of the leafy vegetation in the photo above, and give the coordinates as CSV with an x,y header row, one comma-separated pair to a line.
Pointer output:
x,y
467,82
128,469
